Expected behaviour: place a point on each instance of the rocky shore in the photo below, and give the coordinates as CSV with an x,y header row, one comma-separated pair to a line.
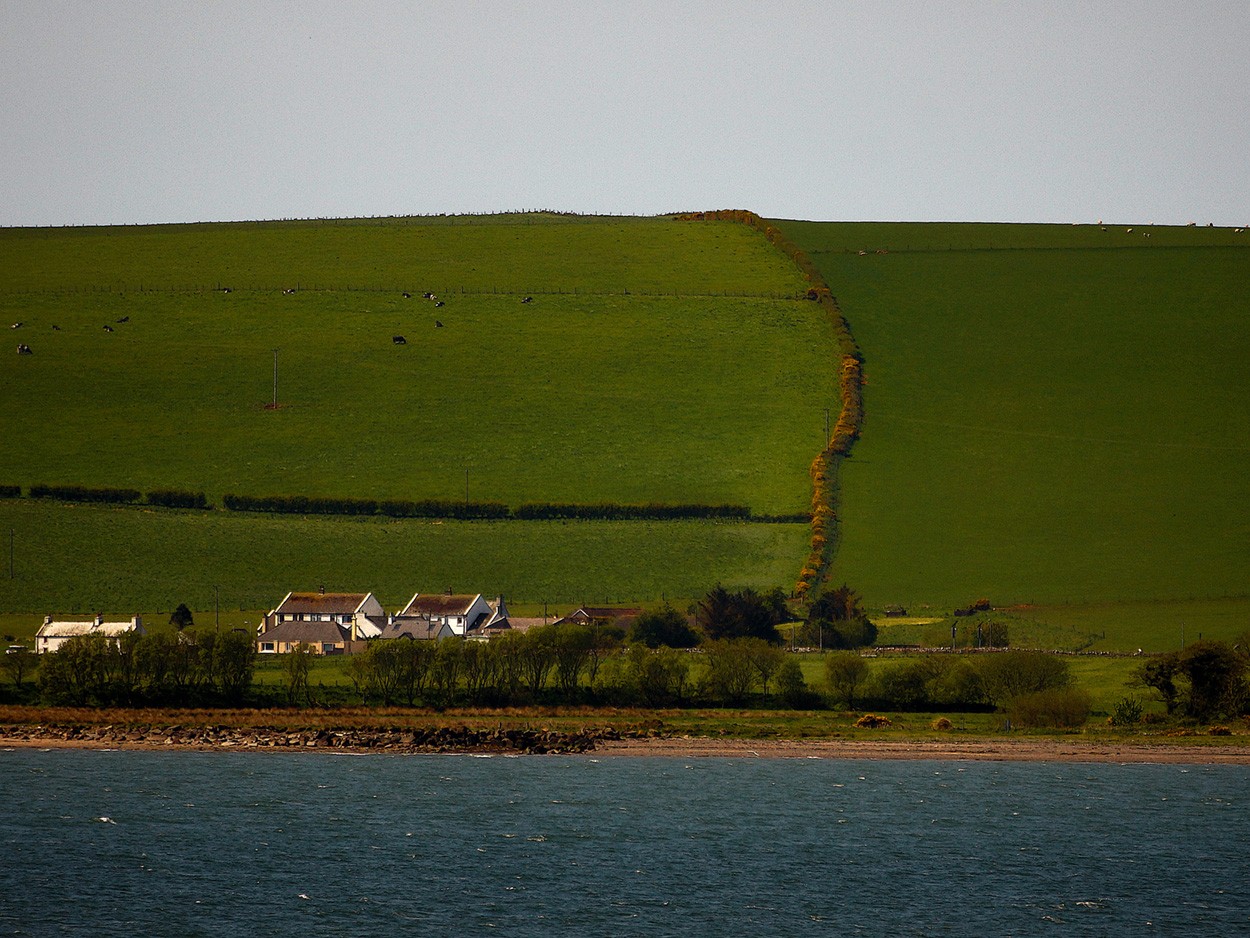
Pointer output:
x,y
210,737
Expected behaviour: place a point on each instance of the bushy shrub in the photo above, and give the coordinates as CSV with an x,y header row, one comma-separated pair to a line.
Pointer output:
x,y
169,498
10,491
82,493
872,721
1057,708
1126,712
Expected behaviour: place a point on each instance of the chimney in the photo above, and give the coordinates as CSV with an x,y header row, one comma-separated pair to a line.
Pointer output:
x,y
322,589
99,618
47,620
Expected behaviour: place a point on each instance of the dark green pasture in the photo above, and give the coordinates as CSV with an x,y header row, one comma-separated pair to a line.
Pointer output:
x,y
83,559
1054,414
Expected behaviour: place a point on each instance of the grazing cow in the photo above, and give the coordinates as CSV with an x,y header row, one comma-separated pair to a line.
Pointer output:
x,y
16,325
528,299
108,328
56,328
289,291
407,295
437,324
427,295
399,340
1128,230
227,290
24,350
439,303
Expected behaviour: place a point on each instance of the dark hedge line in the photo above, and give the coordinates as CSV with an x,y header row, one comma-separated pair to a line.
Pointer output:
x,y
80,493
434,508
10,491
477,511
305,505
172,498
612,512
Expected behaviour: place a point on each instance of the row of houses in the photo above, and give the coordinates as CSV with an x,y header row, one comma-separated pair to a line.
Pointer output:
x,y
340,623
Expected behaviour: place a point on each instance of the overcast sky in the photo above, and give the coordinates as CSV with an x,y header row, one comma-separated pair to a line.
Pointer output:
x,y
137,112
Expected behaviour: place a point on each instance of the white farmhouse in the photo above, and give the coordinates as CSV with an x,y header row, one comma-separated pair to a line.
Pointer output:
x,y
53,634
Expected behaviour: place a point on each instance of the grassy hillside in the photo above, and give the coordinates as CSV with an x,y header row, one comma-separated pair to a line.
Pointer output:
x,y
684,396
658,361
86,559
1055,414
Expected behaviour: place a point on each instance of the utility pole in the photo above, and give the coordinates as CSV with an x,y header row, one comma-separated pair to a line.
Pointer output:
x,y
466,487
826,428
10,553
217,608
275,379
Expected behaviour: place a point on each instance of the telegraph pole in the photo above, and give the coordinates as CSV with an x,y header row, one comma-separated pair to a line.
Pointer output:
x,y
275,379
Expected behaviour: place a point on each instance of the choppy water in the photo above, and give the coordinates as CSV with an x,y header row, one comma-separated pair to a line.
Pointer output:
x,y
146,843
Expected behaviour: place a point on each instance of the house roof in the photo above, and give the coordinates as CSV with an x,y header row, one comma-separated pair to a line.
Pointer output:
x,y
322,603
593,613
68,629
414,627
310,632
439,604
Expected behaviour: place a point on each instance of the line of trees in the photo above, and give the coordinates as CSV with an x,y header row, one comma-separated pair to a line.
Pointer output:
x,y
423,508
160,667
165,498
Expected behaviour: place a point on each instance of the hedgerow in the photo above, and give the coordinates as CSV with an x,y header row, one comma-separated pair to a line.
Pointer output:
x,y
81,493
850,392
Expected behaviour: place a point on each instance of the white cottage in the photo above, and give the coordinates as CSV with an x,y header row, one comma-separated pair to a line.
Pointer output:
x,y
53,634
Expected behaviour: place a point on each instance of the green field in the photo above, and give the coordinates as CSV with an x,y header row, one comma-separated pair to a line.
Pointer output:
x,y
658,362
1054,414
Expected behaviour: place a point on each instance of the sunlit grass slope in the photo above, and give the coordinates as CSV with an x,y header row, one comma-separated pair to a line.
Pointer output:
x,y
85,559
1054,414
658,361
683,395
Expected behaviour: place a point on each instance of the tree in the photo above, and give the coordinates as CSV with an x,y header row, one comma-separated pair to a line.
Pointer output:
x,y
234,661
181,617
1011,673
1203,680
659,674
18,663
792,687
840,605
571,649
845,673
445,668
837,620
296,665
745,614
730,673
766,658
537,657
665,627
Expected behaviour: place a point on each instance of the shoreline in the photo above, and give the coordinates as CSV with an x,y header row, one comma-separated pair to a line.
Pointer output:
x,y
696,747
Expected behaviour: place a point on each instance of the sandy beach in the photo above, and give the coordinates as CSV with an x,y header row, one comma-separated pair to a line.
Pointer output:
x,y
694,747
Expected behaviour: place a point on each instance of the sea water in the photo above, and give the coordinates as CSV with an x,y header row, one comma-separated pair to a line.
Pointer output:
x,y
275,844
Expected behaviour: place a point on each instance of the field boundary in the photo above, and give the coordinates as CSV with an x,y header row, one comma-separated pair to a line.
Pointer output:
x,y
397,509
824,470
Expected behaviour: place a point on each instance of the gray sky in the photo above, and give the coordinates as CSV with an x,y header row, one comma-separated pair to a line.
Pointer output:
x,y
179,111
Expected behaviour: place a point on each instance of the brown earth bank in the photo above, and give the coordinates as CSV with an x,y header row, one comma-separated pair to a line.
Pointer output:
x,y
538,731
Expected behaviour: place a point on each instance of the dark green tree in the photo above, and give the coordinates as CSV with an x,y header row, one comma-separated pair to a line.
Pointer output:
x,y
181,617
664,627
